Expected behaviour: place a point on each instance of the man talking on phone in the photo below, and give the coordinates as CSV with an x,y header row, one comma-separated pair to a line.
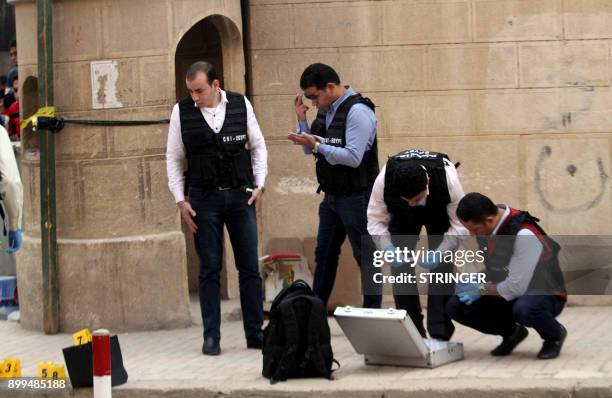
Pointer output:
x,y
343,140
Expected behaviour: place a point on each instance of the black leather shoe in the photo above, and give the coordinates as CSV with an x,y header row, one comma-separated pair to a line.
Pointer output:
x,y
552,348
255,342
211,346
510,342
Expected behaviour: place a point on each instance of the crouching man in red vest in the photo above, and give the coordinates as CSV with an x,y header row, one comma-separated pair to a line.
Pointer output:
x,y
525,286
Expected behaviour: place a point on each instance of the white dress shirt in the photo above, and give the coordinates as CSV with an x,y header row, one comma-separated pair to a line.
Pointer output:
x,y
175,151
11,188
379,216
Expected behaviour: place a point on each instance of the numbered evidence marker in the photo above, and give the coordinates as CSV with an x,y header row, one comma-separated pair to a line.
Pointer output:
x,y
82,337
51,371
10,368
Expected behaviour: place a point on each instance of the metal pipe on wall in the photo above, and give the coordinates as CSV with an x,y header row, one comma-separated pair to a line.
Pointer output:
x,y
47,172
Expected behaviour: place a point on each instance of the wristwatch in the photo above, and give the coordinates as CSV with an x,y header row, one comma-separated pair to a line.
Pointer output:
x,y
262,188
316,147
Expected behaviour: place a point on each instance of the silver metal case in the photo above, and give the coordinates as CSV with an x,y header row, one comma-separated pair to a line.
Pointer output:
x,y
388,337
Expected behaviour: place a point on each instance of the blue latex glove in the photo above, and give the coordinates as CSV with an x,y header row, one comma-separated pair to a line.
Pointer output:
x,y
468,293
394,264
468,298
430,260
14,240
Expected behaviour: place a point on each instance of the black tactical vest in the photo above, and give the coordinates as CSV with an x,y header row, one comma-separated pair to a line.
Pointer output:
x,y
547,276
217,159
435,208
341,179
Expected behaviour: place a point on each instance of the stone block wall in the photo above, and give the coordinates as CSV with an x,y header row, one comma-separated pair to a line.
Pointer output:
x,y
518,91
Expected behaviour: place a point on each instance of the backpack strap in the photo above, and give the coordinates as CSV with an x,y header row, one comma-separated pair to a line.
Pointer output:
x,y
334,360
291,341
315,323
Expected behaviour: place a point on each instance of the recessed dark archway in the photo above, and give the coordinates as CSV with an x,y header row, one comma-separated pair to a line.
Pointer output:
x,y
201,43
218,40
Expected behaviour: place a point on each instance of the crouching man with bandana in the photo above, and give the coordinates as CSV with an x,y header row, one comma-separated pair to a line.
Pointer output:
x,y
525,285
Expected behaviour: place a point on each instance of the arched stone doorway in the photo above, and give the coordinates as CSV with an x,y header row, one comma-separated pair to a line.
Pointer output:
x,y
215,39
200,43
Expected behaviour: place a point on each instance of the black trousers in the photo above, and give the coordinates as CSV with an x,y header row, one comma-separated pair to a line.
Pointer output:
x,y
405,233
214,209
495,315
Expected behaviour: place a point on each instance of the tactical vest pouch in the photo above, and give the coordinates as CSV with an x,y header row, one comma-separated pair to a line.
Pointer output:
x,y
332,179
242,166
202,170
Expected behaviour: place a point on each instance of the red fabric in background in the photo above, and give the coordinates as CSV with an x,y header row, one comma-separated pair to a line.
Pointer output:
x,y
13,113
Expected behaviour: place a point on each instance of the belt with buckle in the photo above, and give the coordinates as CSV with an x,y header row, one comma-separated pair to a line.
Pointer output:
x,y
247,189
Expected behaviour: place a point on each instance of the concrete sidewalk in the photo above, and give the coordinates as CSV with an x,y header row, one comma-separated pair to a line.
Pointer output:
x,y
170,364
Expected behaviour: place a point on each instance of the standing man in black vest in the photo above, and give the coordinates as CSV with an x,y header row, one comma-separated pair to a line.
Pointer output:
x,y
343,141
218,134
525,285
416,189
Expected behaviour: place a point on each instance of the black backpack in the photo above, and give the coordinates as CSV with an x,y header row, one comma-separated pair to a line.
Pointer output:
x,y
297,341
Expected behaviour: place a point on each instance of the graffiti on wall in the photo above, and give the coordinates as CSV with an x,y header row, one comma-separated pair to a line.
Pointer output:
x,y
592,198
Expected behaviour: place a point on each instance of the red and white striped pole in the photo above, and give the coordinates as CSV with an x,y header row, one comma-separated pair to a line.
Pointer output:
x,y
101,364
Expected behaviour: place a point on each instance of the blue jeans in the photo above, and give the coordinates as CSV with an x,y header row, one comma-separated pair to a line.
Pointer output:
x,y
214,209
340,216
495,315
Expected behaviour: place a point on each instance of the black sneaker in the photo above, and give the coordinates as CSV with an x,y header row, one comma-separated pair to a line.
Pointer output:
x,y
255,342
510,342
211,346
552,348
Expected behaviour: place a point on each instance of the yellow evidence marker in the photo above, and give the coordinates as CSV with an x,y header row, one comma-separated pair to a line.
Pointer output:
x,y
51,371
10,368
82,337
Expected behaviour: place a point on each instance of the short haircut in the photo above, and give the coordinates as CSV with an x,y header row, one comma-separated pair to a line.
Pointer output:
x,y
318,75
13,43
475,207
204,67
410,178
